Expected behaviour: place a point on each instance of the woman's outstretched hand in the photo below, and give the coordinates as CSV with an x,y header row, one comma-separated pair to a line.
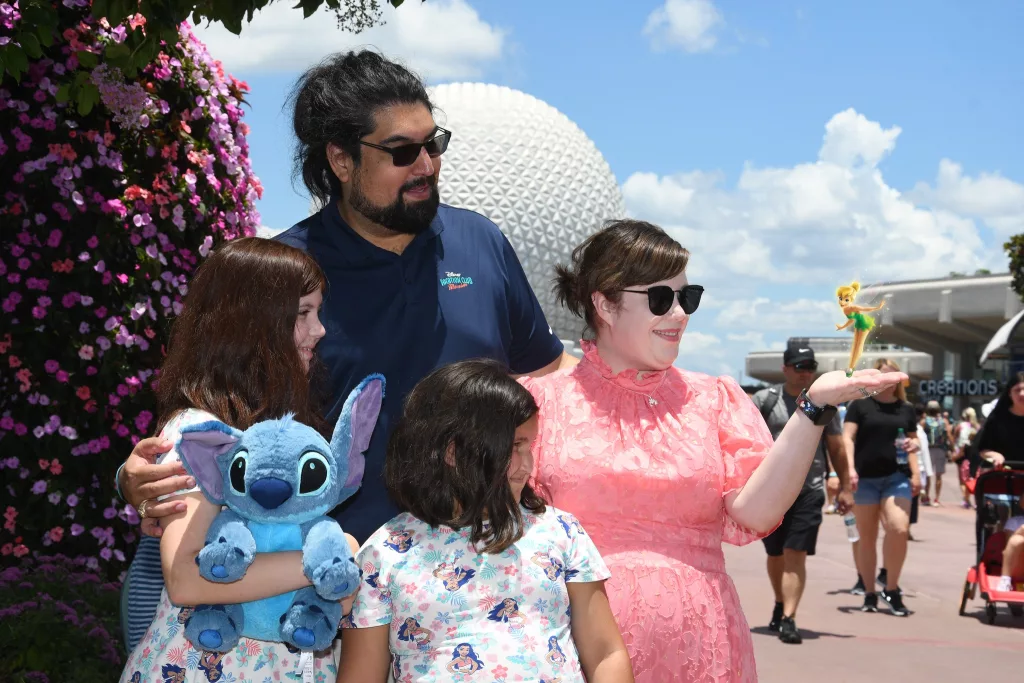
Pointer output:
x,y
835,387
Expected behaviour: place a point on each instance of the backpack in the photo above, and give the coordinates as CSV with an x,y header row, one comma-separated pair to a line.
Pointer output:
x,y
936,428
774,393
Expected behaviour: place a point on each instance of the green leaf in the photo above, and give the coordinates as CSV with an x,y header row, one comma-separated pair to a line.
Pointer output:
x,y
117,52
30,44
16,61
88,96
87,59
100,8
64,93
45,34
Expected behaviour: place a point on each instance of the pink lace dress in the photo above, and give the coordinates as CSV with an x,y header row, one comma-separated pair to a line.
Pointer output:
x,y
647,479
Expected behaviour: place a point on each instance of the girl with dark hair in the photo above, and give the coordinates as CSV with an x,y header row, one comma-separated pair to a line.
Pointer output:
x,y
662,465
240,352
1002,438
458,463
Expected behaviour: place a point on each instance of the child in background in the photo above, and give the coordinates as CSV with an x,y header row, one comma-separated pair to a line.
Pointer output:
x,y
478,573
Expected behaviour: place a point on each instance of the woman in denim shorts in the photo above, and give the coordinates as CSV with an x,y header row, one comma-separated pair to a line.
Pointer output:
x,y
883,488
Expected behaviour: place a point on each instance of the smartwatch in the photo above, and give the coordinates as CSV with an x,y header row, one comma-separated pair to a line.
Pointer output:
x,y
819,415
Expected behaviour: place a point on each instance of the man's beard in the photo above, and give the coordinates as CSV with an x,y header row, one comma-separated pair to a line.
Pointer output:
x,y
400,216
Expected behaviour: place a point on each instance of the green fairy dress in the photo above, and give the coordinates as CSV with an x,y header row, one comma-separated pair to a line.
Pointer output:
x,y
861,321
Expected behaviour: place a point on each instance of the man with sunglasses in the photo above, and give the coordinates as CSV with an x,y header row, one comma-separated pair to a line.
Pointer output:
x,y
797,536
412,284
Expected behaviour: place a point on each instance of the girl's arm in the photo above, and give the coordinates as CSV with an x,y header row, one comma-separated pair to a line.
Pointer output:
x,y
602,653
849,437
845,325
184,536
365,655
866,309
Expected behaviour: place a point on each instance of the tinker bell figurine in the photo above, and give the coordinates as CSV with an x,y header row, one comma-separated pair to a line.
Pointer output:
x,y
862,324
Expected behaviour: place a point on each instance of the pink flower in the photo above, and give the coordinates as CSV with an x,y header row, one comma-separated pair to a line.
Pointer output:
x,y
83,393
51,366
56,533
86,352
56,467
62,376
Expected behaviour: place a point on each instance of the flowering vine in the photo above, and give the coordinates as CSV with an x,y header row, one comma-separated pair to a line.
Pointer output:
x,y
106,211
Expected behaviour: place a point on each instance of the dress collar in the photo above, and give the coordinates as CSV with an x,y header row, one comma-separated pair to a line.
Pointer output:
x,y
633,380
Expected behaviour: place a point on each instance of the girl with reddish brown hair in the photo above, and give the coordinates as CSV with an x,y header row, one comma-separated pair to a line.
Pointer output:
x,y
240,352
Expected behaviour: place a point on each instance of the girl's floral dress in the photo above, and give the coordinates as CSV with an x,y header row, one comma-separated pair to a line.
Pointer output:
x,y
456,615
165,656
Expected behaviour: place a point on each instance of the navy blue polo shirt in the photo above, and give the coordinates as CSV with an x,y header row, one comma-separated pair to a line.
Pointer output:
x,y
457,292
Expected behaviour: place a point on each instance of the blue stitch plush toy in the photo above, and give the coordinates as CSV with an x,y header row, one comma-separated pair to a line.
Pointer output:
x,y
278,479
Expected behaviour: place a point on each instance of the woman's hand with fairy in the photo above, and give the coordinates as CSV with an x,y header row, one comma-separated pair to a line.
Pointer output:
x,y
835,387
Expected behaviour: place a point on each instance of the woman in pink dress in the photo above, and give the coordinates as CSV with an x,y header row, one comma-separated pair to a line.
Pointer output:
x,y
661,465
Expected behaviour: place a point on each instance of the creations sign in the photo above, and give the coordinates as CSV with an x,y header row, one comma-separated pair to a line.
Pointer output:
x,y
958,387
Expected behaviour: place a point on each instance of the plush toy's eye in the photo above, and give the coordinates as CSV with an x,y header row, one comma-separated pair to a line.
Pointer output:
x,y
237,472
313,473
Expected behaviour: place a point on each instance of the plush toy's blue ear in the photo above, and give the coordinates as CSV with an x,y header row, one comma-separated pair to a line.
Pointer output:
x,y
352,433
199,447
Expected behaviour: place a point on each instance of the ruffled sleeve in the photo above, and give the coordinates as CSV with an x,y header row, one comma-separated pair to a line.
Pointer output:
x,y
745,441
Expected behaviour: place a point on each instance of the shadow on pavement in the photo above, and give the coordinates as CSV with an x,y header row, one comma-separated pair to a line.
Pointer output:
x,y
807,634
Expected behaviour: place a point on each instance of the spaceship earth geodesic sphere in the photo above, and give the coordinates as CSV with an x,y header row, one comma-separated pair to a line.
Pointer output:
x,y
527,167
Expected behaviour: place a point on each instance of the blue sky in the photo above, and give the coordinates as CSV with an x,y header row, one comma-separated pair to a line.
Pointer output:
x,y
878,140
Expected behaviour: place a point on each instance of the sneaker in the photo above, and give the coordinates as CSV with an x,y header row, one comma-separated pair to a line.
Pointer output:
x,y
883,575
789,633
870,603
895,600
1005,584
776,621
858,588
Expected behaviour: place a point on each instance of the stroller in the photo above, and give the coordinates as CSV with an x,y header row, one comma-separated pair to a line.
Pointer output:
x,y
997,495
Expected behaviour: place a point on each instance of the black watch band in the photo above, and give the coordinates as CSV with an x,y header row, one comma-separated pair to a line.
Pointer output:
x,y
819,415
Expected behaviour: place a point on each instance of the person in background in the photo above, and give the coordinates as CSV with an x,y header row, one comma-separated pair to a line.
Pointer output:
x,y
939,439
797,536
883,485
963,435
924,467
1002,438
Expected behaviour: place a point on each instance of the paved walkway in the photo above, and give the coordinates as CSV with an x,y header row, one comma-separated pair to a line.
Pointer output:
x,y
843,645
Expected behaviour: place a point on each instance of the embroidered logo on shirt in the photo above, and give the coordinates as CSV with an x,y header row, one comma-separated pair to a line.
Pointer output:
x,y
456,280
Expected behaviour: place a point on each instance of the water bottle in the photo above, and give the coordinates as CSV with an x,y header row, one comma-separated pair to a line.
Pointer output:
x,y
901,449
851,527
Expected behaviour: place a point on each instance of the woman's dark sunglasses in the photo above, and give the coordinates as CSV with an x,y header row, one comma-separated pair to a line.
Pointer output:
x,y
406,155
660,298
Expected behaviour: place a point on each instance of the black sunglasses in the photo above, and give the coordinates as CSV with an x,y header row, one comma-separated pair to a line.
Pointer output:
x,y
805,366
660,298
406,155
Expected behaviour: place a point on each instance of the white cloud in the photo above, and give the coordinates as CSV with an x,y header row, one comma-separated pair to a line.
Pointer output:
x,y
440,39
267,231
687,24
996,200
772,248
851,139
694,343
802,317
812,223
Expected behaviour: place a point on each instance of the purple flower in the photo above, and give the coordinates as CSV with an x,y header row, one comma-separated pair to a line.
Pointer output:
x,y
72,501
39,487
76,529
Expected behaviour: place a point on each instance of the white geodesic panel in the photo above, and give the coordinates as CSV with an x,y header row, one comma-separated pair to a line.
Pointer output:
x,y
531,170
